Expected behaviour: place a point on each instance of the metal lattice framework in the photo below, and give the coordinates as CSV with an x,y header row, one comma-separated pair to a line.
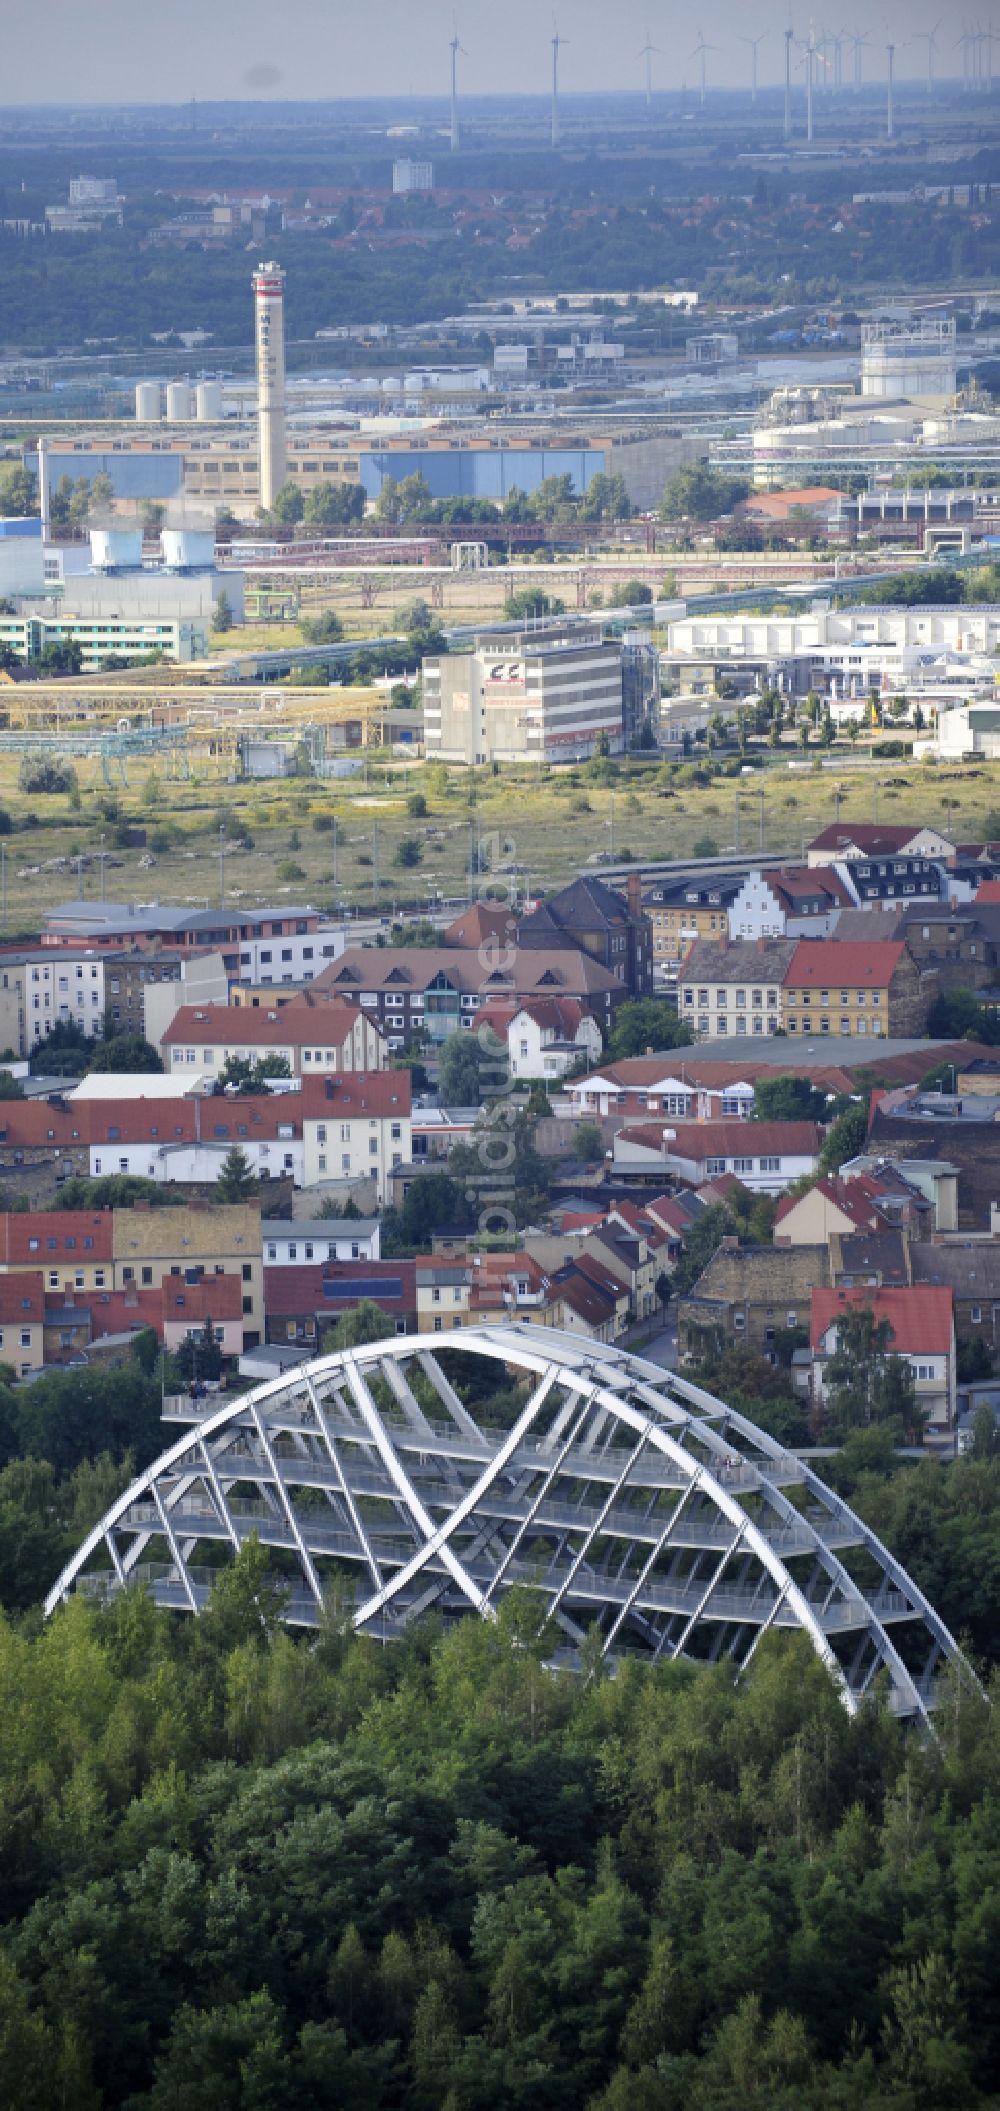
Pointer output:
x,y
634,1501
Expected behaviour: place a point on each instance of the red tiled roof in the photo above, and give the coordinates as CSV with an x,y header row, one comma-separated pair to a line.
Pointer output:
x,y
39,1237
874,840
831,963
731,1139
21,1298
583,1296
382,1093
477,926
988,891
794,880
242,1026
920,1318
217,1297
290,1291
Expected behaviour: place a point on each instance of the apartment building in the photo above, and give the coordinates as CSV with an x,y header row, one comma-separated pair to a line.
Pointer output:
x,y
726,989
72,1249
192,1241
357,1128
681,911
439,990
812,986
38,992
312,1038
856,990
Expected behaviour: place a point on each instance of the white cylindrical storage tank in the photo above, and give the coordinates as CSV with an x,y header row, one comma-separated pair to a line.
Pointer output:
x,y
148,409
179,404
115,549
187,549
208,402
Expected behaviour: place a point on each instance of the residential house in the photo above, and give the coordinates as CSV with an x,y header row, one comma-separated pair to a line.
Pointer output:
x,y
544,1038
356,1127
970,1269
590,917
313,1039
922,1332
797,902
22,1320
853,840
215,1301
831,1205
444,1292
438,990
764,1156
855,990
288,1241
858,1199
751,1295
726,989
303,1301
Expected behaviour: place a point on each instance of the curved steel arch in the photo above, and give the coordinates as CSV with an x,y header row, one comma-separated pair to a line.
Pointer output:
x,y
631,1498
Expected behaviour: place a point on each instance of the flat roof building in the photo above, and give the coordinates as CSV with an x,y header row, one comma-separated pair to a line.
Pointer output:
x,y
541,696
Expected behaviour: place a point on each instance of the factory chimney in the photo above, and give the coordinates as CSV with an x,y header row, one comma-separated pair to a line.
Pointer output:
x,y
269,316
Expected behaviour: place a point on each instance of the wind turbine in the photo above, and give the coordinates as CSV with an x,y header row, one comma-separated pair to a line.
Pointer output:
x,y
789,41
890,114
809,61
455,47
859,39
966,44
753,43
647,53
928,37
557,41
700,51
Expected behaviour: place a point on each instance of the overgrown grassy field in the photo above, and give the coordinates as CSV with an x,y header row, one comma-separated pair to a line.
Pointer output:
x,y
549,826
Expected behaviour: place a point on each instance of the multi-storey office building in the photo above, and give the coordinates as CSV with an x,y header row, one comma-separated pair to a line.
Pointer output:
x,y
552,695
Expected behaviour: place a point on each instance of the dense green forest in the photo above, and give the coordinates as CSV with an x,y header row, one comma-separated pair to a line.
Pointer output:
x,y
244,1868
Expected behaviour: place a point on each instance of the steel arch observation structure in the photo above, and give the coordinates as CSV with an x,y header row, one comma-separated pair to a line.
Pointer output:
x,y
434,1473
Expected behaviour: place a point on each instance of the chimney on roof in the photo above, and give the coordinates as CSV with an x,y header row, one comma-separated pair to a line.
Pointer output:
x,y
633,892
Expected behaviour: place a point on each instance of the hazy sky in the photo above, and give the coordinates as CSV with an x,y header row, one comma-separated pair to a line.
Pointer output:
x,y
133,51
